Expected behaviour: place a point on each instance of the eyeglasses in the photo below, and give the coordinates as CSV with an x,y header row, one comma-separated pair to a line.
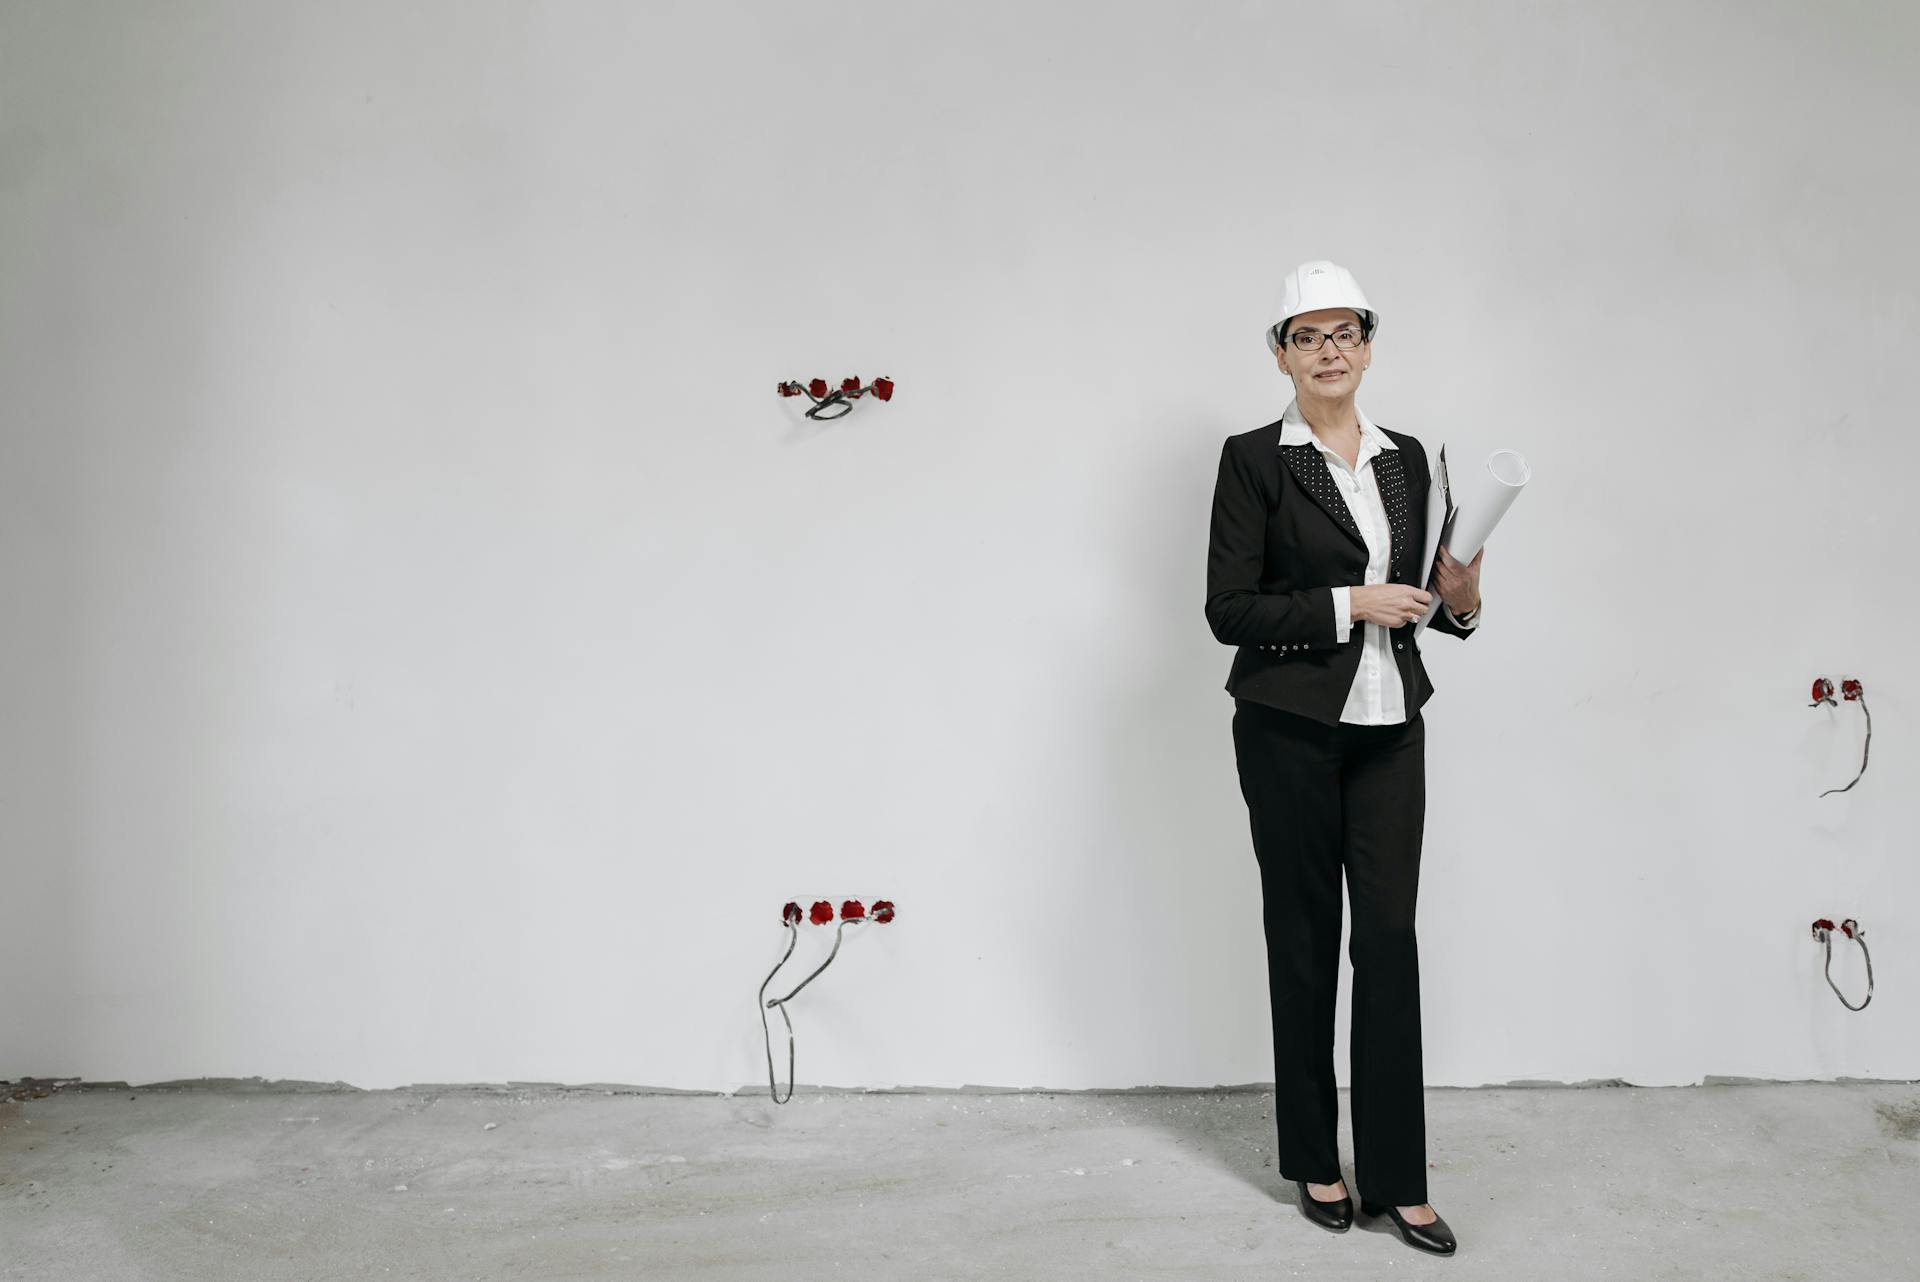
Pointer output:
x,y
1346,338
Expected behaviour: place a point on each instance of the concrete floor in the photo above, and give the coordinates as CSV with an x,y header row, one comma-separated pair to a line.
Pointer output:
x,y
1803,1181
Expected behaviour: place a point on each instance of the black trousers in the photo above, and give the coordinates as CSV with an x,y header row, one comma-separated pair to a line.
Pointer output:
x,y
1321,799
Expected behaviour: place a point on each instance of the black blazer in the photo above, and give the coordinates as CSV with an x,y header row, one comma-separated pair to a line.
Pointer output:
x,y
1281,540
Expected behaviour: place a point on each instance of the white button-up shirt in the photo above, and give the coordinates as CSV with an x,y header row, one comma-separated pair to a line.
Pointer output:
x,y
1377,696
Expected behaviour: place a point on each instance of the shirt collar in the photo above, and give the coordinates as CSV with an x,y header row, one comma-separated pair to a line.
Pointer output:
x,y
1294,430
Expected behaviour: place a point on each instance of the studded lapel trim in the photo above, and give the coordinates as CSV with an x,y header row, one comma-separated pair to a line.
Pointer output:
x,y
1310,470
1390,474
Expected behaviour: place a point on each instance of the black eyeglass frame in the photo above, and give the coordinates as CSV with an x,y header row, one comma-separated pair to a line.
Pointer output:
x,y
1294,338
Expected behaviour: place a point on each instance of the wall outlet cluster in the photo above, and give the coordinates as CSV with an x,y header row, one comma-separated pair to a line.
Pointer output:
x,y
1850,691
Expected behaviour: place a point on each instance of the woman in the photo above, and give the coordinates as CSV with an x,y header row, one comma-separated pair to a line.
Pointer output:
x,y
1313,571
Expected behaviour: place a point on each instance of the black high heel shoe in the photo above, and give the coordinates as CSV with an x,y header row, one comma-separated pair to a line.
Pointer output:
x,y
1435,1237
1337,1216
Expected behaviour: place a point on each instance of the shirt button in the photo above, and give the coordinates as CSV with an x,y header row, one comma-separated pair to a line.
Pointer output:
x,y
1400,646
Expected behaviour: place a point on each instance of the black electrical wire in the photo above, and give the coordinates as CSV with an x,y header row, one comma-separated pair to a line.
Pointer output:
x,y
831,399
1865,748
793,932
793,937
838,931
1858,934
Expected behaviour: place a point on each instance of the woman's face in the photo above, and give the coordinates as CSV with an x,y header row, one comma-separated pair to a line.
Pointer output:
x,y
1330,373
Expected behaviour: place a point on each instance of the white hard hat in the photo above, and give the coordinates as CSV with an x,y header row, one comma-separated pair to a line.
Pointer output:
x,y
1317,284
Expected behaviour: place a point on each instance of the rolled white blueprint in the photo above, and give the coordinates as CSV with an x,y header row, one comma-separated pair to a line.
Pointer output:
x,y
1480,497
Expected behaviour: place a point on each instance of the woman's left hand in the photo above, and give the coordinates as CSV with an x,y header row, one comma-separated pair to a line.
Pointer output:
x,y
1457,584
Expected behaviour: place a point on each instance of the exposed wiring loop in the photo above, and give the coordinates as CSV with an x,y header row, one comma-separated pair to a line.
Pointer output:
x,y
1854,692
773,1083
849,391
1823,931
833,952
851,914
819,412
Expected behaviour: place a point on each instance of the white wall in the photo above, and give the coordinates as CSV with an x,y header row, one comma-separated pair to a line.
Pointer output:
x,y
432,652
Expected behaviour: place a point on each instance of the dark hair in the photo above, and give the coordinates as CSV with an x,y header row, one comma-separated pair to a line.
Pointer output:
x,y
1366,327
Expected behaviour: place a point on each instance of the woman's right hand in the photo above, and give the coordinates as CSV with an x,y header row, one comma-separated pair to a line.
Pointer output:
x,y
1391,605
